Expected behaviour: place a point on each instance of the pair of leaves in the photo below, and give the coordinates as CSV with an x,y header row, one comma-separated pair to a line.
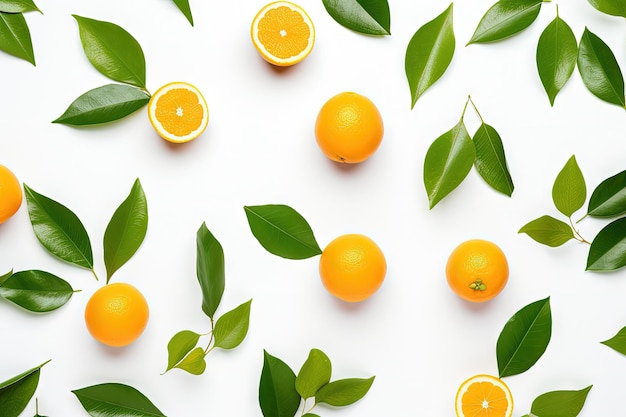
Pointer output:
x,y
117,55
281,390
564,403
612,7
114,399
34,290
16,392
370,17
183,6
15,36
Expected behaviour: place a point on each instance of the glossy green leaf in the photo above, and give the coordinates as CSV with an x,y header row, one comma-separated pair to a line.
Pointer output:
x,y
344,391
58,229
364,16
16,392
314,374
617,342
524,338
15,36
609,197
599,69
18,6
210,269
612,7
183,6
112,51
232,327
557,52
310,415
114,399
37,291
194,362
504,19
277,393
104,104
569,190
490,160
282,231
608,249
448,161
6,276
560,403
179,346
126,230
548,231
429,53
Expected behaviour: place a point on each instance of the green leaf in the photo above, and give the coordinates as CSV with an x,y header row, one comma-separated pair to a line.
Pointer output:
x,y
112,51
16,393
104,104
548,231
183,6
569,190
179,346
37,291
490,160
560,403
314,374
609,197
524,338
277,393
232,327
448,161
612,7
364,16
18,6
557,52
15,36
113,399
126,230
282,231
343,391
3,278
617,342
310,415
210,270
505,18
194,362
599,69
608,249
58,229
429,53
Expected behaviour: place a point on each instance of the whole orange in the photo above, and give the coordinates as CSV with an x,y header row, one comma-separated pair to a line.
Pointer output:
x,y
10,194
116,314
477,270
352,267
349,128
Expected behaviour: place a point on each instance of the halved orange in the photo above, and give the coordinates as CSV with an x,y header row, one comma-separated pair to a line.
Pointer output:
x,y
178,112
283,33
484,396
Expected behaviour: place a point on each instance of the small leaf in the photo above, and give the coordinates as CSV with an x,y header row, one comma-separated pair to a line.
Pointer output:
x,y
609,197
104,104
210,269
490,160
612,7
364,16
113,399
58,229
343,391
314,374
282,231
448,161
183,6
179,346
6,276
37,291
16,393
18,6
617,342
310,415
560,403
599,69
524,338
569,191
429,53
194,362
548,231
608,249
557,52
126,230
504,19
15,36
277,393
112,51
232,327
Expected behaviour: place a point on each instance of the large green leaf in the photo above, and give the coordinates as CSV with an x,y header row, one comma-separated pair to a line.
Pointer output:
x,y
104,104
569,190
548,231
524,338
609,197
179,346
210,269
58,229
557,52
505,19
448,161
232,327
560,403
617,342
18,6
282,231
364,16
429,53
314,374
608,249
343,391
599,69
183,6
37,291
15,36
114,399
112,51
16,393
612,7
490,160
277,393
126,230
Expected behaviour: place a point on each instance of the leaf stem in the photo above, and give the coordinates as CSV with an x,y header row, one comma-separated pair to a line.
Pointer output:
x,y
465,107
209,348
582,218
93,271
309,410
476,109
577,234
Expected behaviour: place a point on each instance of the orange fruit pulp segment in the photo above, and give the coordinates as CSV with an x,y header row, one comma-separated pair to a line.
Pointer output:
x,y
484,396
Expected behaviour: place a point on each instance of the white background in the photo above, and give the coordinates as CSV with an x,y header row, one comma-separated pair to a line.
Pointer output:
x,y
418,338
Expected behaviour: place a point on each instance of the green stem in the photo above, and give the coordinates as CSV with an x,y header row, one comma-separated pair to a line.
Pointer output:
x,y
476,110
582,218
309,410
209,347
577,234
93,271
465,108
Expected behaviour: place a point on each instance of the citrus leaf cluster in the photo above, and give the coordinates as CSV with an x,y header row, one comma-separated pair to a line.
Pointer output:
x,y
14,32
16,392
370,17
